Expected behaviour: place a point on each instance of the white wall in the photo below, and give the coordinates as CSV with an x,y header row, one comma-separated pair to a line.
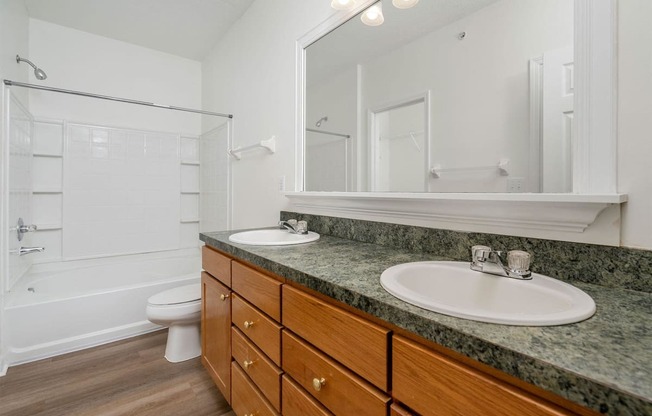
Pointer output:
x,y
251,72
77,60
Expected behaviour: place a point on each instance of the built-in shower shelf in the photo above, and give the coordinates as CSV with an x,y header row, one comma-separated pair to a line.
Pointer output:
x,y
47,155
189,192
47,191
189,220
190,162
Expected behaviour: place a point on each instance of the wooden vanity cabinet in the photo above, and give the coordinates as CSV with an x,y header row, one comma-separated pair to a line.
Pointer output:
x,y
216,332
272,348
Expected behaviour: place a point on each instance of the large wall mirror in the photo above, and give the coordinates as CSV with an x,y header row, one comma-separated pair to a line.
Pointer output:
x,y
453,106
496,78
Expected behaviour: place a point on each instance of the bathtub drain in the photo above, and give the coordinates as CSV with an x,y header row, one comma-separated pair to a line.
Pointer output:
x,y
31,289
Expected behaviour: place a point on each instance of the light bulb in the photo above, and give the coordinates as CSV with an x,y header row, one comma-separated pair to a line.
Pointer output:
x,y
343,4
373,16
404,4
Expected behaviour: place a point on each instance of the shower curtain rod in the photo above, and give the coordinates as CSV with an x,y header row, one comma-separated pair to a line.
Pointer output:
x,y
108,97
346,136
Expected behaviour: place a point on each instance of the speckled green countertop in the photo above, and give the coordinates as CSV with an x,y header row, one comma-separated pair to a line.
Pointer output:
x,y
604,363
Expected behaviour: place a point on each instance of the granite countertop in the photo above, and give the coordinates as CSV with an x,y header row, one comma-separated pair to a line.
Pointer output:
x,y
604,363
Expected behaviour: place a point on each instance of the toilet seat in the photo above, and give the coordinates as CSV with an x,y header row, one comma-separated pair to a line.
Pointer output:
x,y
177,295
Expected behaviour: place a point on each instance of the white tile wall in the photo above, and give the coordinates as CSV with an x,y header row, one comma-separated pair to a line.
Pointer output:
x,y
48,138
47,174
189,149
100,191
214,201
121,192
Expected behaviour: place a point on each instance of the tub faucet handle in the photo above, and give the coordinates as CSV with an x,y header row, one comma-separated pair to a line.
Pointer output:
x,y
21,229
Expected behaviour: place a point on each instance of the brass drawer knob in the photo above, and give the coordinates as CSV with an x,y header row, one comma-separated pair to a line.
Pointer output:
x,y
248,324
224,297
247,364
318,383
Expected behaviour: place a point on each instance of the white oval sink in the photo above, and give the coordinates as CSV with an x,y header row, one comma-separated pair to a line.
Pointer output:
x,y
272,238
452,288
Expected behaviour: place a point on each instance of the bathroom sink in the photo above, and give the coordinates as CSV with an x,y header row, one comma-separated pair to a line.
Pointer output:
x,y
272,238
452,288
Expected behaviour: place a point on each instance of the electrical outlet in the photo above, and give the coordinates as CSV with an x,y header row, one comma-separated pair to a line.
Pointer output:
x,y
281,183
515,185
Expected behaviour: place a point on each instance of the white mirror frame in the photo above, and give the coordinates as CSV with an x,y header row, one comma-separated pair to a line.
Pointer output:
x,y
594,155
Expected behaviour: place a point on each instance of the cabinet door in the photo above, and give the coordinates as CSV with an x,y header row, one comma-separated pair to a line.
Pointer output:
x,y
216,332
433,384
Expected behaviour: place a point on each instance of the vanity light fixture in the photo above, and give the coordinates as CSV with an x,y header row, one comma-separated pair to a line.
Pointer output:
x,y
404,4
373,16
343,4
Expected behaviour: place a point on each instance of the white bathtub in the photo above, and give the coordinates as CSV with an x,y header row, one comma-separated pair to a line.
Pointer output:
x,y
62,307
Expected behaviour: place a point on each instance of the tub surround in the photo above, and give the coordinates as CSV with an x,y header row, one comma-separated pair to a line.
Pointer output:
x,y
603,363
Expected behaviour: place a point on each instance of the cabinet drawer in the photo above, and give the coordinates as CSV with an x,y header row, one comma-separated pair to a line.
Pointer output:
x,y
358,344
261,291
260,329
246,399
258,367
336,387
425,380
218,265
397,410
296,402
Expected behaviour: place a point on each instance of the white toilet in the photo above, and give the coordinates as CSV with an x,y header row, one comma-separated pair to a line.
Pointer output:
x,y
180,310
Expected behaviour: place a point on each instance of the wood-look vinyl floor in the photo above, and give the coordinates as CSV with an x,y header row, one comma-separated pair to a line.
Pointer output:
x,y
129,377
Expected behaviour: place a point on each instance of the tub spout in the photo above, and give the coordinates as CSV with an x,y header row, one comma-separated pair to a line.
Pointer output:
x,y
27,250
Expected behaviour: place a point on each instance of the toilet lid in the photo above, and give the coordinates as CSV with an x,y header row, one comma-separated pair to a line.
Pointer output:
x,y
181,294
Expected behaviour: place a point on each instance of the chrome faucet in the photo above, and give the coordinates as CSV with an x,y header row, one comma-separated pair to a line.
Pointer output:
x,y
294,226
26,250
486,260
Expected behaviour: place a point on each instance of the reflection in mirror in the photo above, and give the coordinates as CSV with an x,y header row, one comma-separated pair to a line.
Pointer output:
x,y
498,77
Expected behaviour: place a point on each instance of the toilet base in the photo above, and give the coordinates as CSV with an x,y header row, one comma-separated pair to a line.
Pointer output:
x,y
184,342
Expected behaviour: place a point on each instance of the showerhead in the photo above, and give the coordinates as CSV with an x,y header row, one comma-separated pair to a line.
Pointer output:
x,y
318,123
38,72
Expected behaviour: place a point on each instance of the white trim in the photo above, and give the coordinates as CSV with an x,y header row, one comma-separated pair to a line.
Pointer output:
x,y
536,116
595,135
556,212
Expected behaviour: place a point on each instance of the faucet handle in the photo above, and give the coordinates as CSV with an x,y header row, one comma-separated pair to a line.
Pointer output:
x,y
480,253
519,261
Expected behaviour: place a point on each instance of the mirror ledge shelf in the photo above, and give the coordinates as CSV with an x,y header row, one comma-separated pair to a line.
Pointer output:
x,y
572,213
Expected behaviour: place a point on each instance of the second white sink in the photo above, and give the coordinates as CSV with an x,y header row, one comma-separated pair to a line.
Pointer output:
x,y
451,288
272,238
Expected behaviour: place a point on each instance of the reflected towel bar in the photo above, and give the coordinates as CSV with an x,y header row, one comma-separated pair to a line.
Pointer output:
x,y
501,167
